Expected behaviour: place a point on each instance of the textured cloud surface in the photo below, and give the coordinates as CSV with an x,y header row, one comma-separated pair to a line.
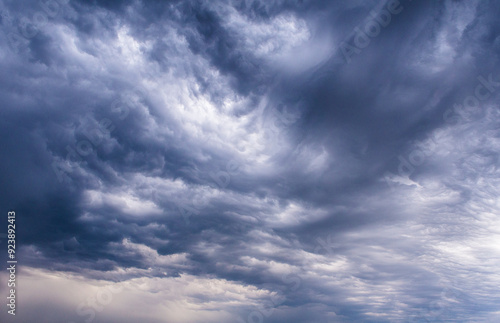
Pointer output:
x,y
252,161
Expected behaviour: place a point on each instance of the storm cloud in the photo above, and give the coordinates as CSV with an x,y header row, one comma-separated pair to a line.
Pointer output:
x,y
251,160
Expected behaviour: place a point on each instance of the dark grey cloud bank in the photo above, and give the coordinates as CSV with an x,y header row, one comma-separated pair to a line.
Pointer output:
x,y
321,161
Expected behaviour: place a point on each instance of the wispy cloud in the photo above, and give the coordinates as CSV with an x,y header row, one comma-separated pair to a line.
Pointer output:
x,y
252,161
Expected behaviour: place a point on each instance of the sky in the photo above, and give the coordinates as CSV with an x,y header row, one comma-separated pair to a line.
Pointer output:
x,y
251,161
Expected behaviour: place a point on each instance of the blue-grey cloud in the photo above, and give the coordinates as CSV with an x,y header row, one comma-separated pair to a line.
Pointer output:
x,y
253,161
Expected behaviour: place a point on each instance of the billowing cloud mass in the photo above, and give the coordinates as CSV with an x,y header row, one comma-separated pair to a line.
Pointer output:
x,y
251,160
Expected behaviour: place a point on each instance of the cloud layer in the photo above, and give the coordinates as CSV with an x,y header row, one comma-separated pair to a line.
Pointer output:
x,y
252,161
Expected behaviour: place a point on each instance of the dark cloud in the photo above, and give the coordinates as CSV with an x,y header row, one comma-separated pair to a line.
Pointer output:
x,y
317,162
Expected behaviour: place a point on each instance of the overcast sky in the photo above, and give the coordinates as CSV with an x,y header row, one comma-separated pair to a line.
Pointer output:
x,y
251,160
